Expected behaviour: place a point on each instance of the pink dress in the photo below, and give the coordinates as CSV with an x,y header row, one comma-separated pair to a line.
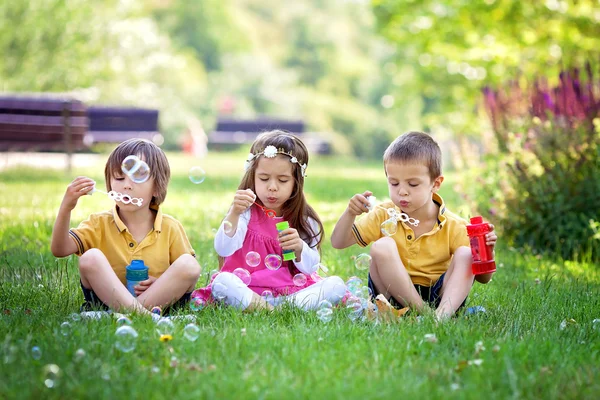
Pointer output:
x,y
261,237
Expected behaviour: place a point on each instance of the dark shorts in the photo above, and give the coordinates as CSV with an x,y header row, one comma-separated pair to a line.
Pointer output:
x,y
93,302
429,294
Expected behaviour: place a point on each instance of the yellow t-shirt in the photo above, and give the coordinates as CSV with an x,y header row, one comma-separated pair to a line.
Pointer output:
x,y
107,232
427,257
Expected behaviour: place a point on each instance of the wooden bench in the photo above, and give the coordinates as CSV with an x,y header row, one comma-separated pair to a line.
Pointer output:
x,y
116,124
237,131
42,124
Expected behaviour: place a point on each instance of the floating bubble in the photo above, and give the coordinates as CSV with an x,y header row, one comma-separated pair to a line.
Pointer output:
x,y
253,259
362,262
325,314
79,355
227,226
191,332
129,164
243,274
299,279
164,326
136,169
125,338
75,317
596,324
123,320
197,304
355,306
353,284
65,328
219,291
36,353
197,175
273,262
51,375
268,296
142,174
389,227
324,304
362,292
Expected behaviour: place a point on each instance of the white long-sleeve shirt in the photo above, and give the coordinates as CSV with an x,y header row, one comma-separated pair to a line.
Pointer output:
x,y
226,246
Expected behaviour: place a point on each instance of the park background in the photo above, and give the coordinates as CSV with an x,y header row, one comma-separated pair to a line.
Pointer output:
x,y
509,89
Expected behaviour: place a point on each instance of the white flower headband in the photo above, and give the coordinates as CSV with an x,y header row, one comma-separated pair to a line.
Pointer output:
x,y
270,152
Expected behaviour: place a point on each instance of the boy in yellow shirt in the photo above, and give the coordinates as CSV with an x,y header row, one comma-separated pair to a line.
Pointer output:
x,y
428,261
135,229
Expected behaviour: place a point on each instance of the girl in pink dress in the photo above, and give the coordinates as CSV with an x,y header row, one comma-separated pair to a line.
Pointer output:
x,y
253,274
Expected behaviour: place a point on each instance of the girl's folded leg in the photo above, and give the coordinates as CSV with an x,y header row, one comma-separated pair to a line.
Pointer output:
x,y
236,294
332,289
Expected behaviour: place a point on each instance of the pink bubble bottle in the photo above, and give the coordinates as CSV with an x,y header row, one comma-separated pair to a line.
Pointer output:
x,y
483,255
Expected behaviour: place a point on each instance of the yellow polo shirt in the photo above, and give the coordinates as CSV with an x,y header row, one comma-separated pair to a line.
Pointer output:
x,y
107,232
427,257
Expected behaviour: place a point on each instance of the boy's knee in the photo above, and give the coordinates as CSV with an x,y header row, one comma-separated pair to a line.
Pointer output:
x,y
90,259
383,247
190,266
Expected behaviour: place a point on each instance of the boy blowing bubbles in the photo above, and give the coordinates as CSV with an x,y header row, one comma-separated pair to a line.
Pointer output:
x,y
108,241
425,264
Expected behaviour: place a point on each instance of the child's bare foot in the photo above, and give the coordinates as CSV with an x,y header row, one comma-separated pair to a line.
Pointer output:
x,y
258,303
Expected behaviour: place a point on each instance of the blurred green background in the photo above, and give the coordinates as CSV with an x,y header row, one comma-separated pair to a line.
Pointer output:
x,y
359,72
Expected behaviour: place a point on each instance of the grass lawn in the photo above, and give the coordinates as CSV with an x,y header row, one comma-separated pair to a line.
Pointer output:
x,y
536,340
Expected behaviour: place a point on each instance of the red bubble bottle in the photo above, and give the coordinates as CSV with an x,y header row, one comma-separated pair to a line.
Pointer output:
x,y
483,255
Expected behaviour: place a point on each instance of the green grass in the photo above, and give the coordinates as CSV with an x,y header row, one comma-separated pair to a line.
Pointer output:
x,y
288,353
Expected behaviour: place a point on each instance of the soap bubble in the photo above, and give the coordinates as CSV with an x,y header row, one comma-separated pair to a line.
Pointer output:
x,y
219,291
354,305
197,175
325,314
164,326
324,304
273,262
197,304
268,296
36,353
136,169
75,317
125,339
227,226
79,355
253,259
65,328
389,227
51,375
123,320
213,274
141,174
129,164
353,284
191,332
243,274
596,324
299,279
362,262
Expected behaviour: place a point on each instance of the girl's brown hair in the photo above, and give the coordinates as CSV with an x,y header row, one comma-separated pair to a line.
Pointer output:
x,y
295,210
151,154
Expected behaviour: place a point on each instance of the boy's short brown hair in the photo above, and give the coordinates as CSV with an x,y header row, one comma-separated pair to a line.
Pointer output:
x,y
416,146
151,154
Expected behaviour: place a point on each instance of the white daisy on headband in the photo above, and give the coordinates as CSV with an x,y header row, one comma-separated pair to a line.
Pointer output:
x,y
270,152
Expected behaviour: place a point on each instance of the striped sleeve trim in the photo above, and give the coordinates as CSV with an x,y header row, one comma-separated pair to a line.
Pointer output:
x,y
77,241
359,239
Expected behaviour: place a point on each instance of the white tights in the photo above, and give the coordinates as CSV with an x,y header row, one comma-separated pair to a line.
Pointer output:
x,y
238,295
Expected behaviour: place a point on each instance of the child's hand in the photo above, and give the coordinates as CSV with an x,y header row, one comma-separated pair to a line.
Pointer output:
x,y
290,240
142,286
242,200
79,187
491,237
358,203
